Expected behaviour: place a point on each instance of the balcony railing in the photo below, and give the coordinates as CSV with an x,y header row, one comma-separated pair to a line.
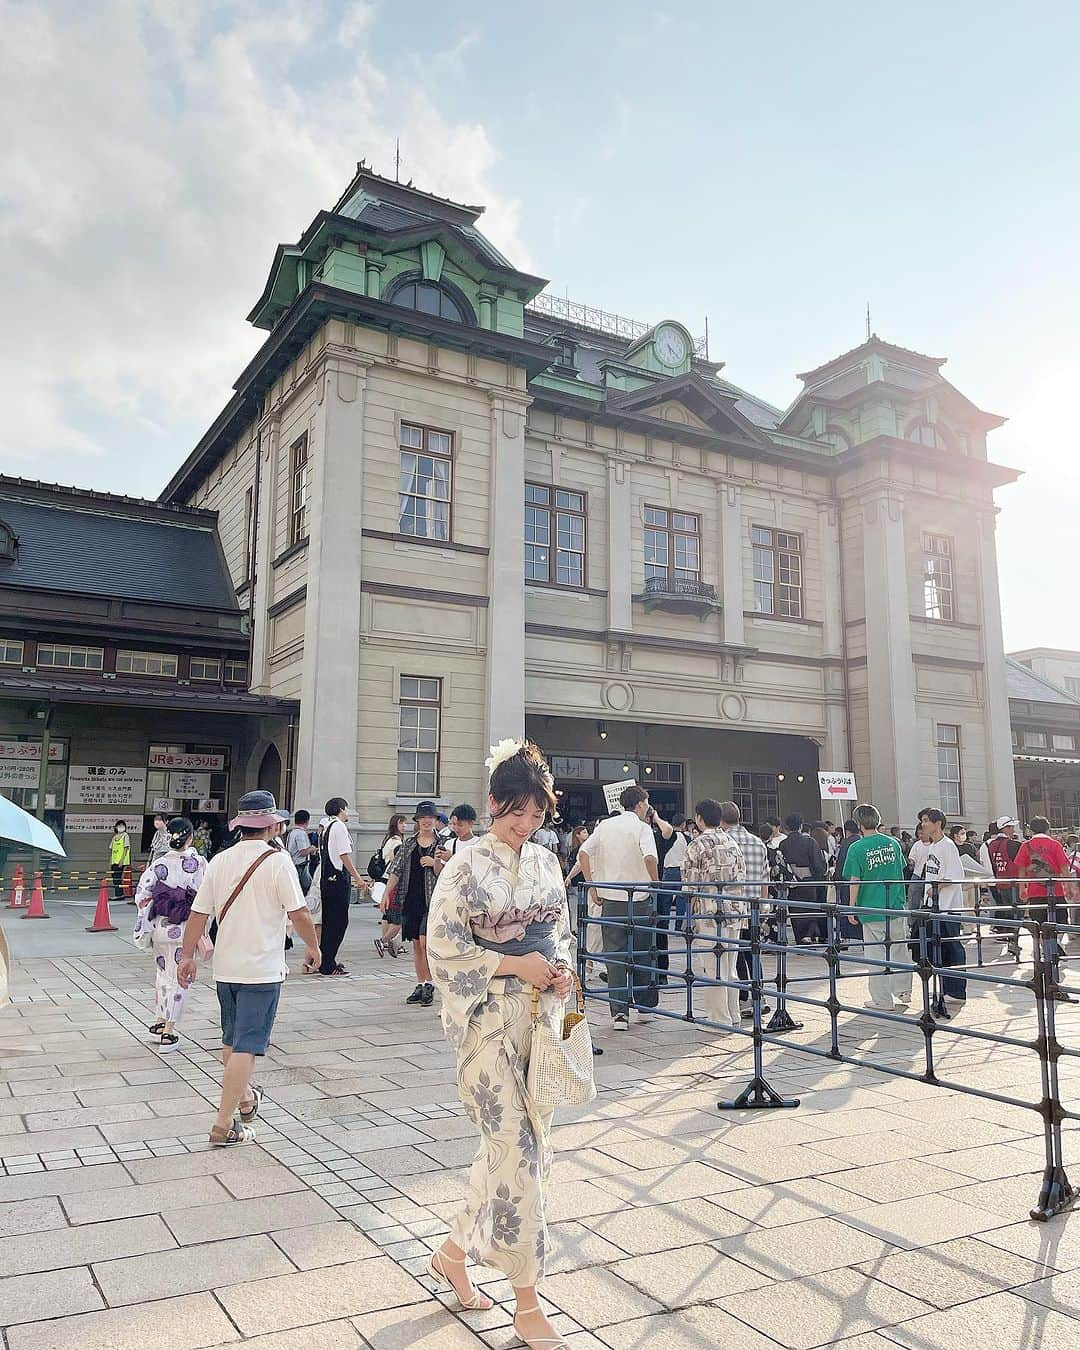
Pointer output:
x,y
680,593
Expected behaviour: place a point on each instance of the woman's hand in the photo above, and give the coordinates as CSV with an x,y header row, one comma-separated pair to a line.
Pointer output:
x,y
563,983
427,860
536,970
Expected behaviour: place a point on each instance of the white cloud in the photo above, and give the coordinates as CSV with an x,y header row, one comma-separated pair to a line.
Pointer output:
x,y
153,157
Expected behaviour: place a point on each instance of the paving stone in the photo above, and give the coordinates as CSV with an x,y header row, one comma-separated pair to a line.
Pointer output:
x,y
1016,1322
1058,1292
31,1216
82,1245
180,1323
573,1246
219,1161
804,1248
92,1115
324,1244
823,1308
918,1222
784,1202
56,1293
269,1178
422,1326
48,1141
128,1201
1055,1244
596,1296
953,1272
240,1218
692,1275
24,1106
339,1335
888,1181
658,1228
337,1291
690,1329
188,1270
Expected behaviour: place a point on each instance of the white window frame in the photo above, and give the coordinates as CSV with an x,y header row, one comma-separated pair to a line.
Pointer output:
x,y
160,665
672,544
419,735
552,518
237,679
1035,740
779,572
214,661
1062,740
938,578
92,658
12,651
431,505
947,742
298,491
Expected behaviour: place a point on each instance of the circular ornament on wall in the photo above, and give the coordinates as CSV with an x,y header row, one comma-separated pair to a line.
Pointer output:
x,y
618,696
733,707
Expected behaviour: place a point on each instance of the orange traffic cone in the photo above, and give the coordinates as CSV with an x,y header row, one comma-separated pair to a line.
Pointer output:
x,y
18,888
37,901
102,918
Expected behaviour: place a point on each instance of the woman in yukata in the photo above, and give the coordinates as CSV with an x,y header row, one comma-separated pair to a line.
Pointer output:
x,y
498,927
164,895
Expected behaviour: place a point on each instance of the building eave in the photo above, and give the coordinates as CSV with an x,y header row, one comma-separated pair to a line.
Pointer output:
x,y
182,698
892,447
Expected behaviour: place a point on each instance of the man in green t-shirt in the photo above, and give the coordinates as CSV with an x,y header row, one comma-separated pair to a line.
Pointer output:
x,y
875,867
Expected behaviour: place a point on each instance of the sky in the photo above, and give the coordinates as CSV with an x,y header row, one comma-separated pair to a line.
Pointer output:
x,y
775,167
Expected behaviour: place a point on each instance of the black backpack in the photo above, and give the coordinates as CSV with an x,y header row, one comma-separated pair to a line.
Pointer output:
x,y
376,868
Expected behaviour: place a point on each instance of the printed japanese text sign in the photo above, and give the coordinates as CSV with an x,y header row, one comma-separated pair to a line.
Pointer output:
x,y
837,786
162,758
613,791
106,785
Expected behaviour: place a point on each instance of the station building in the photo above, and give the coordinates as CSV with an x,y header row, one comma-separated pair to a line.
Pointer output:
x,y
455,510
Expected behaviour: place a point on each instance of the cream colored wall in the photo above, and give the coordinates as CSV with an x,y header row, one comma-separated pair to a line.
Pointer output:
x,y
224,491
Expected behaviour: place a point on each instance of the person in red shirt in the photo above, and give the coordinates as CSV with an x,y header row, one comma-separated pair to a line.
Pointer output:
x,y
1042,857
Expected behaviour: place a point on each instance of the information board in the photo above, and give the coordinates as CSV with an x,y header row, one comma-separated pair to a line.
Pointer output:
x,y
837,786
106,785
613,791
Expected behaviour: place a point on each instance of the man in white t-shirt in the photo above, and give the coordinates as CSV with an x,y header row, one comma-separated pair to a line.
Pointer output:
x,y
623,848
252,891
944,870
461,837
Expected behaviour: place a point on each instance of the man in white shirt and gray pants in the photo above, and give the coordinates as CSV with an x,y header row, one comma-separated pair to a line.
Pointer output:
x,y
623,848
252,891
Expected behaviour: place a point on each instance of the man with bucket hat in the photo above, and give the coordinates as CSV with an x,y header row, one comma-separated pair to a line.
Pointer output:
x,y
252,891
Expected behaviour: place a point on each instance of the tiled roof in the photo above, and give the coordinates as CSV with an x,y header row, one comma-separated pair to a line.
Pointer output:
x,y
170,696
1025,684
71,543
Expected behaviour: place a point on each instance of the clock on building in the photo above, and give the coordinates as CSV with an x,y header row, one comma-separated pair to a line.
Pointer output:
x,y
670,345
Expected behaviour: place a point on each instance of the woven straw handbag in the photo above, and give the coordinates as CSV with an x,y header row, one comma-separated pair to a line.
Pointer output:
x,y
561,1061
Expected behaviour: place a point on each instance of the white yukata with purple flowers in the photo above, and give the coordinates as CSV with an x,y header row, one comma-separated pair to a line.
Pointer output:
x,y
164,895
490,895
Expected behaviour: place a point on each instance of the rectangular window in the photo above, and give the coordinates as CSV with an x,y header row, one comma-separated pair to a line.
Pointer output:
x,y
204,668
11,651
554,536
236,672
1064,742
938,600
672,545
146,663
425,483
249,533
757,795
1034,740
948,759
298,497
1072,685
59,656
778,572
420,706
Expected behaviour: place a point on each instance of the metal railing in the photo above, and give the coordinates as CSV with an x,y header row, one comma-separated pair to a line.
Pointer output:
x,y
724,942
682,587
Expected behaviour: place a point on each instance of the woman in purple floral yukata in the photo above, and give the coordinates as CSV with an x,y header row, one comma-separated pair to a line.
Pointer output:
x,y
498,926
164,895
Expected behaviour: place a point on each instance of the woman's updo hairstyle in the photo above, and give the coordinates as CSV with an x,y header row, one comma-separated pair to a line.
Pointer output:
x,y
520,780
180,831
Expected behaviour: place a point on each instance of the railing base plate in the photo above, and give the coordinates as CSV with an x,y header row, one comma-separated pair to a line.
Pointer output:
x,y
757,1095
1056,1194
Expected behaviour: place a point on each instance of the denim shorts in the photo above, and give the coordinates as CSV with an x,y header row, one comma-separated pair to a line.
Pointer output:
x,y
247,1015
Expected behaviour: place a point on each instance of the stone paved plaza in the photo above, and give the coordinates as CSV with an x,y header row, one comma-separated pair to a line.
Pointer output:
x,y
882,1212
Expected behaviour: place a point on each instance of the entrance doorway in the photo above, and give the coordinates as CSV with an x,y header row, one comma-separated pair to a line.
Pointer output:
x,y
269,778
581,779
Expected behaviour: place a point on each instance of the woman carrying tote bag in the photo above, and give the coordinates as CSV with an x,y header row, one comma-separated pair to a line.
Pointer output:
x,y
498,928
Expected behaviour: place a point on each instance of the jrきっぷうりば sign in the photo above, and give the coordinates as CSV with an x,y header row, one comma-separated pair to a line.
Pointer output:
x,y
837,786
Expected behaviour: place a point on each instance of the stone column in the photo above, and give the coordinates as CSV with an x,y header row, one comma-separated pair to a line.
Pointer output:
x,y
506,583
1001,777
890,674
620,556
731,563
267,451
327,741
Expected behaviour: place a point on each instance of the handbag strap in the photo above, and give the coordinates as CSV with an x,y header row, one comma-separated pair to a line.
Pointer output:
x,y
243,882
535,1012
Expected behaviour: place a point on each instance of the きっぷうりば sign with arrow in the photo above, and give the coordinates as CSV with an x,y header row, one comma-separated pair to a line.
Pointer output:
x,y
837,786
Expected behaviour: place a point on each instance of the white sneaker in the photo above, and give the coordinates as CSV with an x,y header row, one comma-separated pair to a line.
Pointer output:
x,y
644,1016
620,1022
878,1007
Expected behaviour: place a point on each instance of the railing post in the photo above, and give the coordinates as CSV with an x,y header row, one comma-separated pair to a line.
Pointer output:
x,y
758,1093
1055,1193
583,930
781,1019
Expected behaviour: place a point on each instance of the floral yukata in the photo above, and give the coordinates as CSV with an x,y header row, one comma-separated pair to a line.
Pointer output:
x,y
488,904
164,895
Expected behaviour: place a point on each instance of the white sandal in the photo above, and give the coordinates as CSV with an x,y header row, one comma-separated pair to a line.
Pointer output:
x,y
478,1303
556,1343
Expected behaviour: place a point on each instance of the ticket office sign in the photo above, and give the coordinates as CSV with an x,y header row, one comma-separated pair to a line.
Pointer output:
x,y
106,785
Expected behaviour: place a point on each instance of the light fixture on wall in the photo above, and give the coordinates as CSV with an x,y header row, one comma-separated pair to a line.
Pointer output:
x,y
626,768
648,768
801,779
601,730
779,777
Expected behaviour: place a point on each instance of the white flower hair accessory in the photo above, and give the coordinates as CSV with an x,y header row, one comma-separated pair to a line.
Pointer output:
x,y
499,754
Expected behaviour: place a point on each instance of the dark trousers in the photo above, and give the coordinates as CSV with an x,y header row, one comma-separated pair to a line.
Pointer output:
x,y
335,920
945,949
627,981
117,870
666,902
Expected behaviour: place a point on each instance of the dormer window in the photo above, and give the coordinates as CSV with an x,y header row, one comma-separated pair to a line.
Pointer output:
x,y
9,543
929,434
429,297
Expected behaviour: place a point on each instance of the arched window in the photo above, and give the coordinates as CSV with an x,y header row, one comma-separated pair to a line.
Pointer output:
x,y
930,434
9,542
429,297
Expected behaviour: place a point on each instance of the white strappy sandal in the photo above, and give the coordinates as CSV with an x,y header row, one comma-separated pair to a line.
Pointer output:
x,y
544,1342
478,1303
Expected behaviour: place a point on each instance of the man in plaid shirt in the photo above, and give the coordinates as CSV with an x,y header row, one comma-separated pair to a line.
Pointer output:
x,y
713,861
752,848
